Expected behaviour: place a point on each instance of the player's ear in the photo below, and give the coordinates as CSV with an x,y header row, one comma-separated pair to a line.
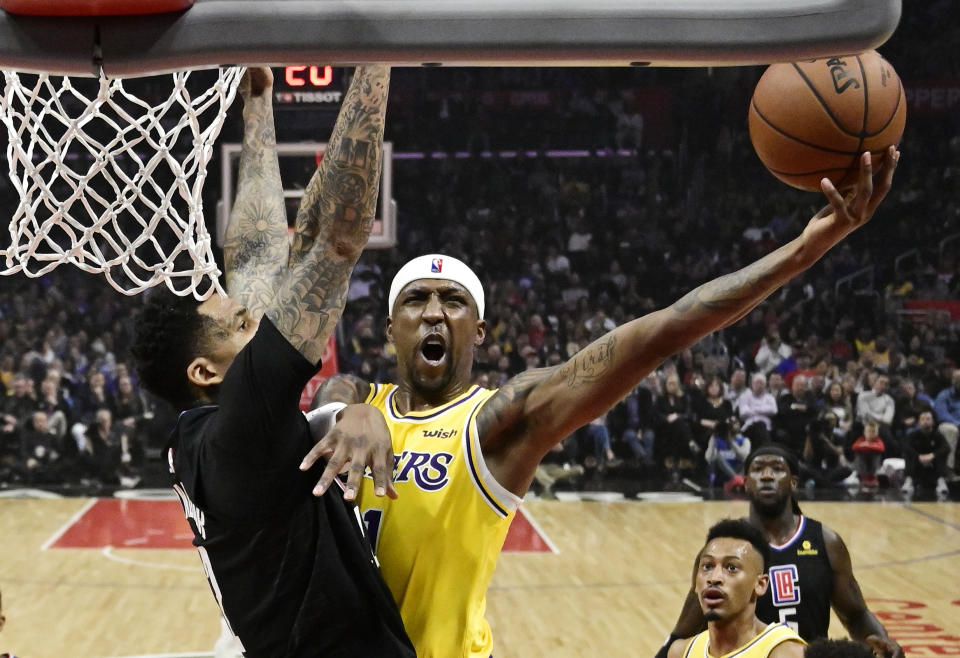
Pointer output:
x,y
481,333
763,581
388,329
203,372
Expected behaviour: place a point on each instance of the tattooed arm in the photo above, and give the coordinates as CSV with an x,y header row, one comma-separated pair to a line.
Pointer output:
x,y
537,409
335,218
255,248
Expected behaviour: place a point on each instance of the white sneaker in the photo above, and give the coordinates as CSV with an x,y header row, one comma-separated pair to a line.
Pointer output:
x,y
907,488
942,488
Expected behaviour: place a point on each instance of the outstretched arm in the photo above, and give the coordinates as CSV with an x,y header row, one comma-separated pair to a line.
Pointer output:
x,y
520,424
335,219
255,246
847,601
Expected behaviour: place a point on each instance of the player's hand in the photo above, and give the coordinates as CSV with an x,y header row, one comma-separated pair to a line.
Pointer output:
x,y
884,647
255,80
358,440
847,213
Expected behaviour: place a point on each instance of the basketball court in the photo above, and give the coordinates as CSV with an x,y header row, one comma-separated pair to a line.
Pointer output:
x,y
112,577
103,578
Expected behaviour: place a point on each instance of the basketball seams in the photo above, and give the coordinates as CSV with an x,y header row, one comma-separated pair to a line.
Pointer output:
x,y
826,107
775,128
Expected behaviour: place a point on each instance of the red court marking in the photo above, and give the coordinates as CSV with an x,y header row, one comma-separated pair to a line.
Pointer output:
x,y
129,524
160,524
523,537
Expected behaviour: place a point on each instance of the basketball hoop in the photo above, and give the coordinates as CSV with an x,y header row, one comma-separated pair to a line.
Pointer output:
x,y
110,173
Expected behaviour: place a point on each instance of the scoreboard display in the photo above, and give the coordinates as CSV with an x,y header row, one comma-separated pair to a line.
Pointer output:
x,y
309,86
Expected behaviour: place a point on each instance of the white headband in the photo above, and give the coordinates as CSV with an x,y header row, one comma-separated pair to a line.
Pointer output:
x,y
437,266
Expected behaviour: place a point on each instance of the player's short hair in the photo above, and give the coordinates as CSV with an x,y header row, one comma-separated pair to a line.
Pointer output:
x,y
741,529
824,648
169,333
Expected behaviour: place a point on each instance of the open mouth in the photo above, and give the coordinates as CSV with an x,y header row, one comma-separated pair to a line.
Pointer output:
x,y
712,596
433,349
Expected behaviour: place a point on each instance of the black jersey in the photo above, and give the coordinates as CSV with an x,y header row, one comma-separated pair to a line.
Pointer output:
x,y
293,573
801,583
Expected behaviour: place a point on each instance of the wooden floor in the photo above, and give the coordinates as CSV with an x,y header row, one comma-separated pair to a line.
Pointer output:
x,y
613,588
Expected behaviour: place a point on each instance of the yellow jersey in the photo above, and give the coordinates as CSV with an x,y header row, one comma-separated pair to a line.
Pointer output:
x,y
759,647
438,543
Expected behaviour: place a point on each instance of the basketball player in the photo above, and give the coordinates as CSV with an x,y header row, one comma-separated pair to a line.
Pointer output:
x,y
810,567
293,573
731,575
465,455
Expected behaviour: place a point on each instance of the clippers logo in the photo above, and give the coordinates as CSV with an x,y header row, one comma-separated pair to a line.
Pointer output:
x,y
436,265
783,585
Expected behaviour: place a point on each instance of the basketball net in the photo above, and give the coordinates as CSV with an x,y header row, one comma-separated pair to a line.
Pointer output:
x,y
110,181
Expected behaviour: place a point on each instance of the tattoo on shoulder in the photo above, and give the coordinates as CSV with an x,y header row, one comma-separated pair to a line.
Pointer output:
x,y
590,364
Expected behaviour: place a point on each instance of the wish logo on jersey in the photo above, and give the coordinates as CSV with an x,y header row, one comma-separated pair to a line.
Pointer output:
x,y
783,585
429,471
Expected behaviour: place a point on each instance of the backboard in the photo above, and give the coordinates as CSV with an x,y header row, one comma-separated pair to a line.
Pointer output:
x,y
210,33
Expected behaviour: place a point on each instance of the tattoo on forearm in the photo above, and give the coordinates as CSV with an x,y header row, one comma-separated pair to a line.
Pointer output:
x,y
335,217
590,364
344,205
731,292
255,247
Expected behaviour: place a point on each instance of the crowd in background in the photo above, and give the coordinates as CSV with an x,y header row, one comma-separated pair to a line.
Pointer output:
x,y
838,365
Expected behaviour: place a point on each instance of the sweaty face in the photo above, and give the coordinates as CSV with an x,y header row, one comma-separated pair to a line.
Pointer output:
x,y
769,484
729,578
434,328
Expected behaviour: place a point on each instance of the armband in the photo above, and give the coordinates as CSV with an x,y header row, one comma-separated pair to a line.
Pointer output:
x,y
323,418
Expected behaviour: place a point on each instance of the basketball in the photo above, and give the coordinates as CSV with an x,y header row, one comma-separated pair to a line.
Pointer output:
x,y
812,119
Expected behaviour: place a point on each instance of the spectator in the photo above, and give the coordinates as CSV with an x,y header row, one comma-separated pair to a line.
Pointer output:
x,y
738,385
674,445
925,456
909,404
41,451
53,404
868,454
772,351
877,405
638,431
947,407
823,464
837,402
776,385
757,408
795,411
726,451
105,454
709,409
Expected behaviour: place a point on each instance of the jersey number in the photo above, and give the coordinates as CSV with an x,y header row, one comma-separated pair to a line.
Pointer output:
x,y
786,612
372,519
